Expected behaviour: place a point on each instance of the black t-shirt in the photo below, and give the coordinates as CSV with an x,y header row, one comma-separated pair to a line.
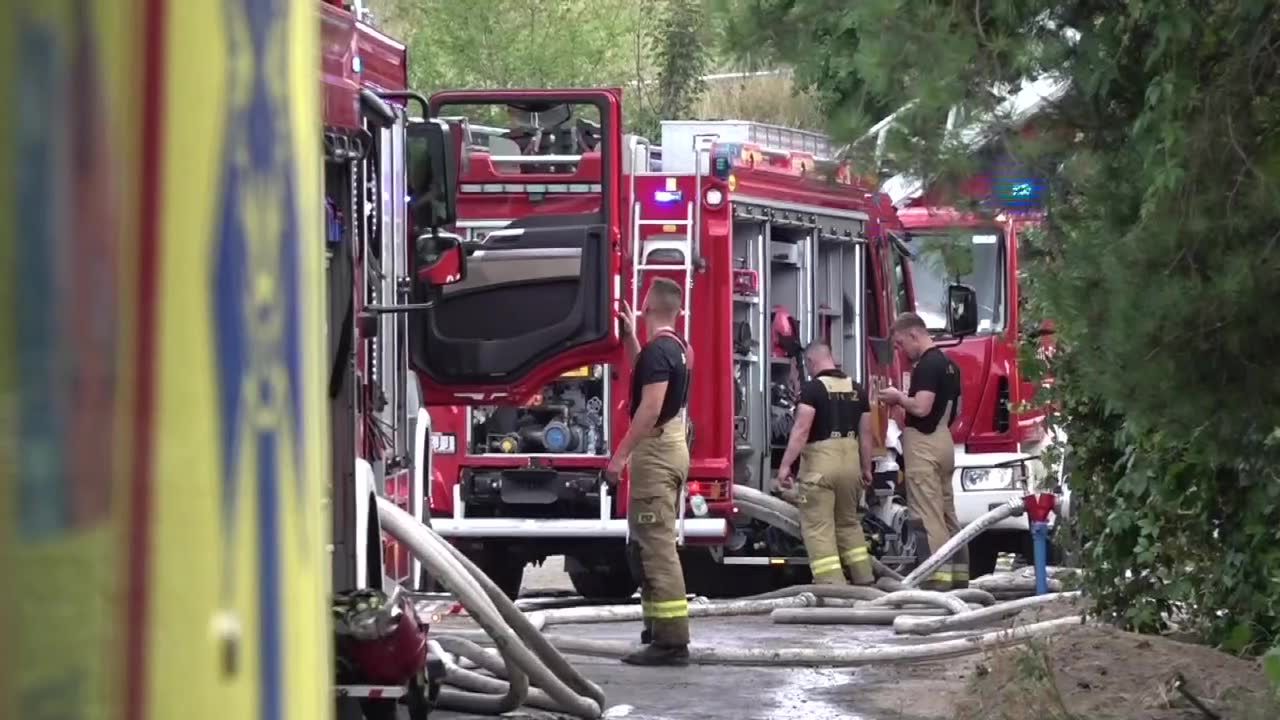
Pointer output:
x,y
934,372
662,360
836,414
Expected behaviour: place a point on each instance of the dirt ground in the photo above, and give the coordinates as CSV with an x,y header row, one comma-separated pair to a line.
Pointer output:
x,y
1102,673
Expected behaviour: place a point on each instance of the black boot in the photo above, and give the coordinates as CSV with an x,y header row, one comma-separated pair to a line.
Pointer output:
x,y
659,655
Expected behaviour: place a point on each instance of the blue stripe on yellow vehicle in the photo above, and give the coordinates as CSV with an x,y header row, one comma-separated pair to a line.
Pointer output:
x,y
159,161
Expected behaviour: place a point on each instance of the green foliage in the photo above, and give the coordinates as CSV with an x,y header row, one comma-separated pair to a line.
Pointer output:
x,y
681,42
519,43
1159,264
763,98
656,51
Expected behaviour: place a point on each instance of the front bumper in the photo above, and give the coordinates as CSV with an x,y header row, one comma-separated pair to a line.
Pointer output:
x,y
604,525
973,503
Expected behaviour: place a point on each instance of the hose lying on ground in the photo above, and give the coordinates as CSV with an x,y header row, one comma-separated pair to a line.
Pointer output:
x,y
561,688
923,597
1009,509
784,516
861,615
543,664
484,687
908,625
851,592
828,656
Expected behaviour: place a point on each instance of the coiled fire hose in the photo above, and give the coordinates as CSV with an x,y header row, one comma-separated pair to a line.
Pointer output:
x,y
784,516
504,624
524,655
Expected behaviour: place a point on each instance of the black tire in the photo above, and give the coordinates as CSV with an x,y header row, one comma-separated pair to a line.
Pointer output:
x,y
983,552
704,576
604,584
505,571
417,702
378,709
920,539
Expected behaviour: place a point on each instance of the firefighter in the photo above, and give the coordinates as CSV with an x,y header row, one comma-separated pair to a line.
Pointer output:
x,y
831,434
931,406
656,448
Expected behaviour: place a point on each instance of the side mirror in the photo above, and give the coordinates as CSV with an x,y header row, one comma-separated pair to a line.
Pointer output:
x,y
962,310
439,260
433,176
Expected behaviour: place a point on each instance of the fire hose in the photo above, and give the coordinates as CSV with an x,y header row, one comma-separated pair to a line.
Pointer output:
x,y
784,516
1013,508
508,628
526,657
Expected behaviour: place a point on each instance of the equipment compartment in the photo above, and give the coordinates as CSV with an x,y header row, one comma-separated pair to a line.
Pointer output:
x,y
566,418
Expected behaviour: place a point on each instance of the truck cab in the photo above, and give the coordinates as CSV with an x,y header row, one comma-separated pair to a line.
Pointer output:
x,y
1001,432
516,464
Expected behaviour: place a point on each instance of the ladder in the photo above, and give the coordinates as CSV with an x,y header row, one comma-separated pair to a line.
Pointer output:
x,y
645,253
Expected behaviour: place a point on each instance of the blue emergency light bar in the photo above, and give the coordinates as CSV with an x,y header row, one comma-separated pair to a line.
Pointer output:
x,y
667,197
1019,192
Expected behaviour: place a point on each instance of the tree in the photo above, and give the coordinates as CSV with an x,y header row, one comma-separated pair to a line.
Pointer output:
x,y
1159,263
771,98
516,43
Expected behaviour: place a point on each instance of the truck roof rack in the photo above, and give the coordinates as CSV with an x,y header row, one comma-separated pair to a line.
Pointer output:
x,y
758,145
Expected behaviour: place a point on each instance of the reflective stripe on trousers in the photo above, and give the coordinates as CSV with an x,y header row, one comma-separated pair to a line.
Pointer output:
x,y
829,492
659,467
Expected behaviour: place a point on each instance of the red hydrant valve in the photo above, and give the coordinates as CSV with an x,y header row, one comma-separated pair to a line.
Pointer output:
x,y
1039,506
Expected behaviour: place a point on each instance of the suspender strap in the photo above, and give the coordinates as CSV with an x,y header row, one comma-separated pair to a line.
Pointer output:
x,y
688,361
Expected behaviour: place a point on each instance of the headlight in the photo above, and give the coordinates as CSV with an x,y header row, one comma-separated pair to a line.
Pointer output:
x,y
713,198
999,478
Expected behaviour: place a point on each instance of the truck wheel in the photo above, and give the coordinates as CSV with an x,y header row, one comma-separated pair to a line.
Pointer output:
x,y
916,546
378,709
597,584
983,551
505,571
708,578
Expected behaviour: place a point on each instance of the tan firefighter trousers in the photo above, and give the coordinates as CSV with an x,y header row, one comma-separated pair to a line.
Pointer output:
x,y
829,494
930,462
659,467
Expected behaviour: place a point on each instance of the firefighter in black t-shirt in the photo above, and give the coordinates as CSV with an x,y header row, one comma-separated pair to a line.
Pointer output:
x,y
931,407
831,435
658,454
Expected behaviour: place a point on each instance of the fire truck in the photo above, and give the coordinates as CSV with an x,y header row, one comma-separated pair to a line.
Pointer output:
x,y
1001,433
775,245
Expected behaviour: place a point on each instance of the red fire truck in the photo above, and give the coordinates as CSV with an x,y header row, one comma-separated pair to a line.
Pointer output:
x,y
761,230
1000,434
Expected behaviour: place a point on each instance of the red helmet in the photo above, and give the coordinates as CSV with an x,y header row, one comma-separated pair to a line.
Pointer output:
x,y
786,332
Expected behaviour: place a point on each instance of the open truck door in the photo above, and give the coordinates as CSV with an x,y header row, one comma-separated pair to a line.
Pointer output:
x,y
538,291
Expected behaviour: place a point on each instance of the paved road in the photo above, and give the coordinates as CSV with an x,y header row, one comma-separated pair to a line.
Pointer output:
x,y
737,693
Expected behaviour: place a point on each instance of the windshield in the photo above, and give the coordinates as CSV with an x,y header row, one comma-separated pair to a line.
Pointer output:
x,y
973,258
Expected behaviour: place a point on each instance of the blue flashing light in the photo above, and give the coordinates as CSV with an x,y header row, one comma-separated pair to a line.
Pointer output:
x,y
666,197
1019,192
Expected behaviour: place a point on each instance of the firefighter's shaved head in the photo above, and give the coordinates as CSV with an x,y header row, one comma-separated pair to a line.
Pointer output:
x,y
909,322
818,356
911,335
664,300
817,350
